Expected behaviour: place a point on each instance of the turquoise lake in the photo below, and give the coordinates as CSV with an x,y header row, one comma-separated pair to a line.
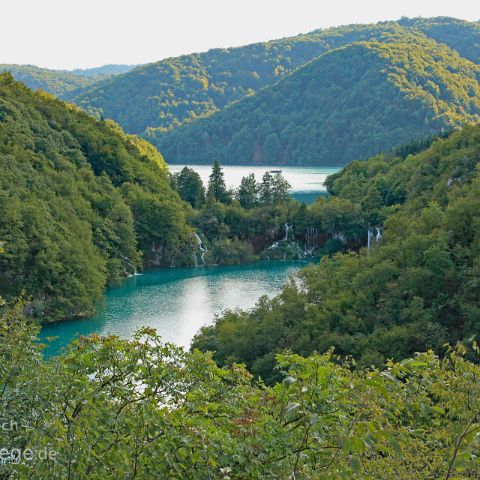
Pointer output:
x,y
175,301
178,302
307,183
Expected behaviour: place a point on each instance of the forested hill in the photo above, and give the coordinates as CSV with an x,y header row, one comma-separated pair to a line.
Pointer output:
x,y
61,82
464,37
82,204
349,103
157,97
417,289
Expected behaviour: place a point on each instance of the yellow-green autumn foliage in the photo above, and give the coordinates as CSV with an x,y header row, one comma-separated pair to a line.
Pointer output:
x,y
110,408
81,204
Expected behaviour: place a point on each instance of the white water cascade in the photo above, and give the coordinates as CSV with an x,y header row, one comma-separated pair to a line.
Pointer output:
x,y
274,245
312,239
288,228
371,237
203,249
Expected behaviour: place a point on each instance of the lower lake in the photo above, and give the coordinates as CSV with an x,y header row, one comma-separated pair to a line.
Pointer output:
x,y
177,302
307,183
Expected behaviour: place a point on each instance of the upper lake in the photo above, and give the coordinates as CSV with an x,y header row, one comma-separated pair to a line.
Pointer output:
x,y
307,183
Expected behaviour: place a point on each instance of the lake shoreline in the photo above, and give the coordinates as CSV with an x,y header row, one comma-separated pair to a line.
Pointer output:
x,y
178,300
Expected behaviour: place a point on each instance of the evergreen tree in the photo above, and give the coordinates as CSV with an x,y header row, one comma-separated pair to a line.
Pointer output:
x,y
217,186
190,187
266,188
248,192
279,188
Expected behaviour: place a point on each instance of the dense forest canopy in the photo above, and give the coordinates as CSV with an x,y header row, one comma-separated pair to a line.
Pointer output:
x,y
82,204
417,289
155,98
349,103
61,82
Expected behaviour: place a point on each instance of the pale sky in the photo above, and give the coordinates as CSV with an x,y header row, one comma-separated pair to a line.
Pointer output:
x,y
88,33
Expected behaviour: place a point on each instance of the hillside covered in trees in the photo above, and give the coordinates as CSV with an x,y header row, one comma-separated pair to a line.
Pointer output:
x,y
61,83
82,204
72,192
153,99
417,289
348,104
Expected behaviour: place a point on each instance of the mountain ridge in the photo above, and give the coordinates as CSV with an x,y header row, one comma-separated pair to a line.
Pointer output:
x,y
156,97
61,82
314,116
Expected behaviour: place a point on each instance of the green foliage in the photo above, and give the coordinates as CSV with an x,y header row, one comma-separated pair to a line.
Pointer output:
x,y
238,227
217,188
190,187
248,192
77,199
61,83
110,408
155,98
457,34
417,290
409,87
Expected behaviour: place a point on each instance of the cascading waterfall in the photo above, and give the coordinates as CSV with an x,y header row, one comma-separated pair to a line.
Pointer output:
x,y
127,260
203,249
312,240
292,247
275,244
371,237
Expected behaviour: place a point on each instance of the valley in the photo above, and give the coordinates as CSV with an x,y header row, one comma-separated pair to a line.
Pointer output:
x,y
257,262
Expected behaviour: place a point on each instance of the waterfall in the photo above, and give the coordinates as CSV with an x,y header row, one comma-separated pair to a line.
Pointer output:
x,y
311,238
369,238
287,229
127,260
202,249
275,244
308,252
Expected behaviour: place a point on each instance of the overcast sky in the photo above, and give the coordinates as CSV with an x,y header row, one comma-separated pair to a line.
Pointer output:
x,y
87,33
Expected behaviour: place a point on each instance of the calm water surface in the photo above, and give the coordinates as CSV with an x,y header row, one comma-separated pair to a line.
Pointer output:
x,y
307,182
176,302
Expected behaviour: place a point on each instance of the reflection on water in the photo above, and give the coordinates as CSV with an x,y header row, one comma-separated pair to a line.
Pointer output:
x,y
176,302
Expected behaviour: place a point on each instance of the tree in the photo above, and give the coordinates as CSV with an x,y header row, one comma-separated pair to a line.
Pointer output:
x,y
266,188
247,193
217,186
190,187
280,188
273,189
